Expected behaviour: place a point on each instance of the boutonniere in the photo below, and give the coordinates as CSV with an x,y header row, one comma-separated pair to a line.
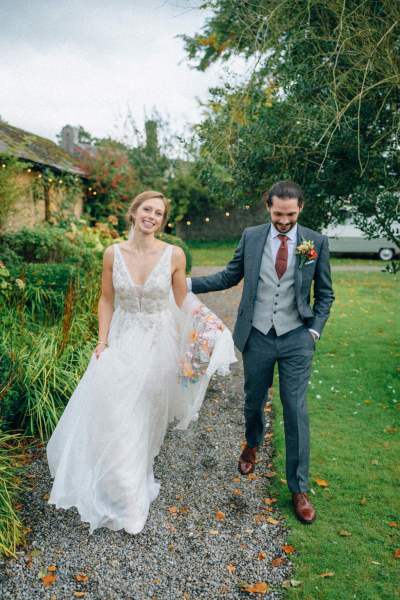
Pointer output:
x,y
306,251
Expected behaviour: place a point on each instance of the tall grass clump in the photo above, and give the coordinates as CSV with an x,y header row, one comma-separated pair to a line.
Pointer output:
x,y
12,458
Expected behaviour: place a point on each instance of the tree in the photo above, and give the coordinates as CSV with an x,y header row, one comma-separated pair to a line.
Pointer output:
x,y
321,105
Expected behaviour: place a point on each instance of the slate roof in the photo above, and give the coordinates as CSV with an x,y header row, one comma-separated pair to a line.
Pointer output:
x,y
35,149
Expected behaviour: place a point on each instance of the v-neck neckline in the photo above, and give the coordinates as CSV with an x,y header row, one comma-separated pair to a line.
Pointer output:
x,y
131,280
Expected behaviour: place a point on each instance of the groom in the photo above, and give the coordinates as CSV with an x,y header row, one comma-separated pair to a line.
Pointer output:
x,y
276,324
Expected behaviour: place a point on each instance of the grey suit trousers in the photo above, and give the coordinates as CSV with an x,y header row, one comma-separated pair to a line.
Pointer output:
x,y
293,352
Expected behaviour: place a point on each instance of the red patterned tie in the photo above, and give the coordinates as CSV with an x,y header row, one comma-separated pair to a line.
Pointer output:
x,y
282,256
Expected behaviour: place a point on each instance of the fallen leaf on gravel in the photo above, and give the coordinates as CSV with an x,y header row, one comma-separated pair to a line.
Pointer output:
x,y
269,501
170,528
271,474
213,532
363,501
185,596
393,524
172,509
45,497
321,482
288,549
262,556
255,588
260,518
344,533
231,568
277,562
237,492
184,510
396,553
327,574
48,580
236,480
52,568
252,476
209,429
82,578
79,594
272,521
219,515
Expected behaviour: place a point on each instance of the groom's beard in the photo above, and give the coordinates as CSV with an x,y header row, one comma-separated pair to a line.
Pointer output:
x,y
284,228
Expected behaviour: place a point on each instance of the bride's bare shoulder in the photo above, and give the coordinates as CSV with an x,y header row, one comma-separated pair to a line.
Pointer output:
x,y
108,256
178,254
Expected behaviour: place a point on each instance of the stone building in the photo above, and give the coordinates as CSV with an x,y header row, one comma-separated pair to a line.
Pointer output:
x,y
42,191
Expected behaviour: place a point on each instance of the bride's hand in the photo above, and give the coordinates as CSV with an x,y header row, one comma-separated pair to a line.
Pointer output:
x,y
99,349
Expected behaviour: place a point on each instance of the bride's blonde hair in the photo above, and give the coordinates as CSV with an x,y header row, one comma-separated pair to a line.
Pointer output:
x,y
142,197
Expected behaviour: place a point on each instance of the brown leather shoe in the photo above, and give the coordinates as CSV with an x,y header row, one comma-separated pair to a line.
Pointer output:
x,y
247,460
303,508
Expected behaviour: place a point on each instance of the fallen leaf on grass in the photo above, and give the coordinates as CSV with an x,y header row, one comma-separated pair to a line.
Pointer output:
x,y
262,556
363,501
393,524
321,482
327,574
271,474
396,553
219,515
255,588
231,568
291,583
344,533
278,562
288,549
82,578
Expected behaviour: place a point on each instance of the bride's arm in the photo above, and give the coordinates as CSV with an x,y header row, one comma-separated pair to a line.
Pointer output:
x,y
179,275
106,302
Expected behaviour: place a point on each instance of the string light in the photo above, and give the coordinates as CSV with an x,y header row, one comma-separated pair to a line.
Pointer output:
x,y
94,193
170,225
4,166
40,176
207,219
247,206
29,170
227,214
188,222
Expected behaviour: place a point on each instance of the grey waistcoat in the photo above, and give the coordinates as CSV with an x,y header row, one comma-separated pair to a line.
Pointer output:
x,y
275,303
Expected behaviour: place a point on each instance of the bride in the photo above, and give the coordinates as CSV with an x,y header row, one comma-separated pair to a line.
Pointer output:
x,y
156,350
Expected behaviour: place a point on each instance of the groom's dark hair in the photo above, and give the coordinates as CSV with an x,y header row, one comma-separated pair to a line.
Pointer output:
x,y
284,189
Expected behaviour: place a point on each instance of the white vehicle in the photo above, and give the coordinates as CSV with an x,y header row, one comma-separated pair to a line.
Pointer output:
x,y
346,238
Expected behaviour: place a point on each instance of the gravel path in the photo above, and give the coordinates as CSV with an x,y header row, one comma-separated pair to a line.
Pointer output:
x,y
207,532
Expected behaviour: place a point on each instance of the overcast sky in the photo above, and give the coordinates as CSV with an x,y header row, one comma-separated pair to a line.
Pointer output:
x,y
85,61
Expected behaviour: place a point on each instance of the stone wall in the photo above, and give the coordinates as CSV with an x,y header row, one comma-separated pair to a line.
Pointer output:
x,y
30,210
221,224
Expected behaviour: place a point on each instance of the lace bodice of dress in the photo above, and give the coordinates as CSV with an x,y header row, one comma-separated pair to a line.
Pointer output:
x,y
148,299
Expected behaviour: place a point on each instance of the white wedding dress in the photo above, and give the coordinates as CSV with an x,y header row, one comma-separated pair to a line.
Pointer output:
x,y
101,453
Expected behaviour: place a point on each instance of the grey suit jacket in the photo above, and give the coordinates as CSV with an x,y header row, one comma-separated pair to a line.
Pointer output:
x,y
246,264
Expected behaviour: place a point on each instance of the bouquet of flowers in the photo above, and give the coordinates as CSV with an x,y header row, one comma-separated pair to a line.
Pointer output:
x,y
201,339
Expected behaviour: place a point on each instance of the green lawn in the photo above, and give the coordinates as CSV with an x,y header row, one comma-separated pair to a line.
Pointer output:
x,y
215,254
354,409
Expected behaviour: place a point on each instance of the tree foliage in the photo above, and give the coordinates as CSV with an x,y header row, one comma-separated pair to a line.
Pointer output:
x,y
321,105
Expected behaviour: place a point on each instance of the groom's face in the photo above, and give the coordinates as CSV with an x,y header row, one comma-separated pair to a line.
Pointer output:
x,y
284,213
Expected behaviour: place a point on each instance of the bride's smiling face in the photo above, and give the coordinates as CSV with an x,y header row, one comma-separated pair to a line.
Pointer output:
x,y
149,215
